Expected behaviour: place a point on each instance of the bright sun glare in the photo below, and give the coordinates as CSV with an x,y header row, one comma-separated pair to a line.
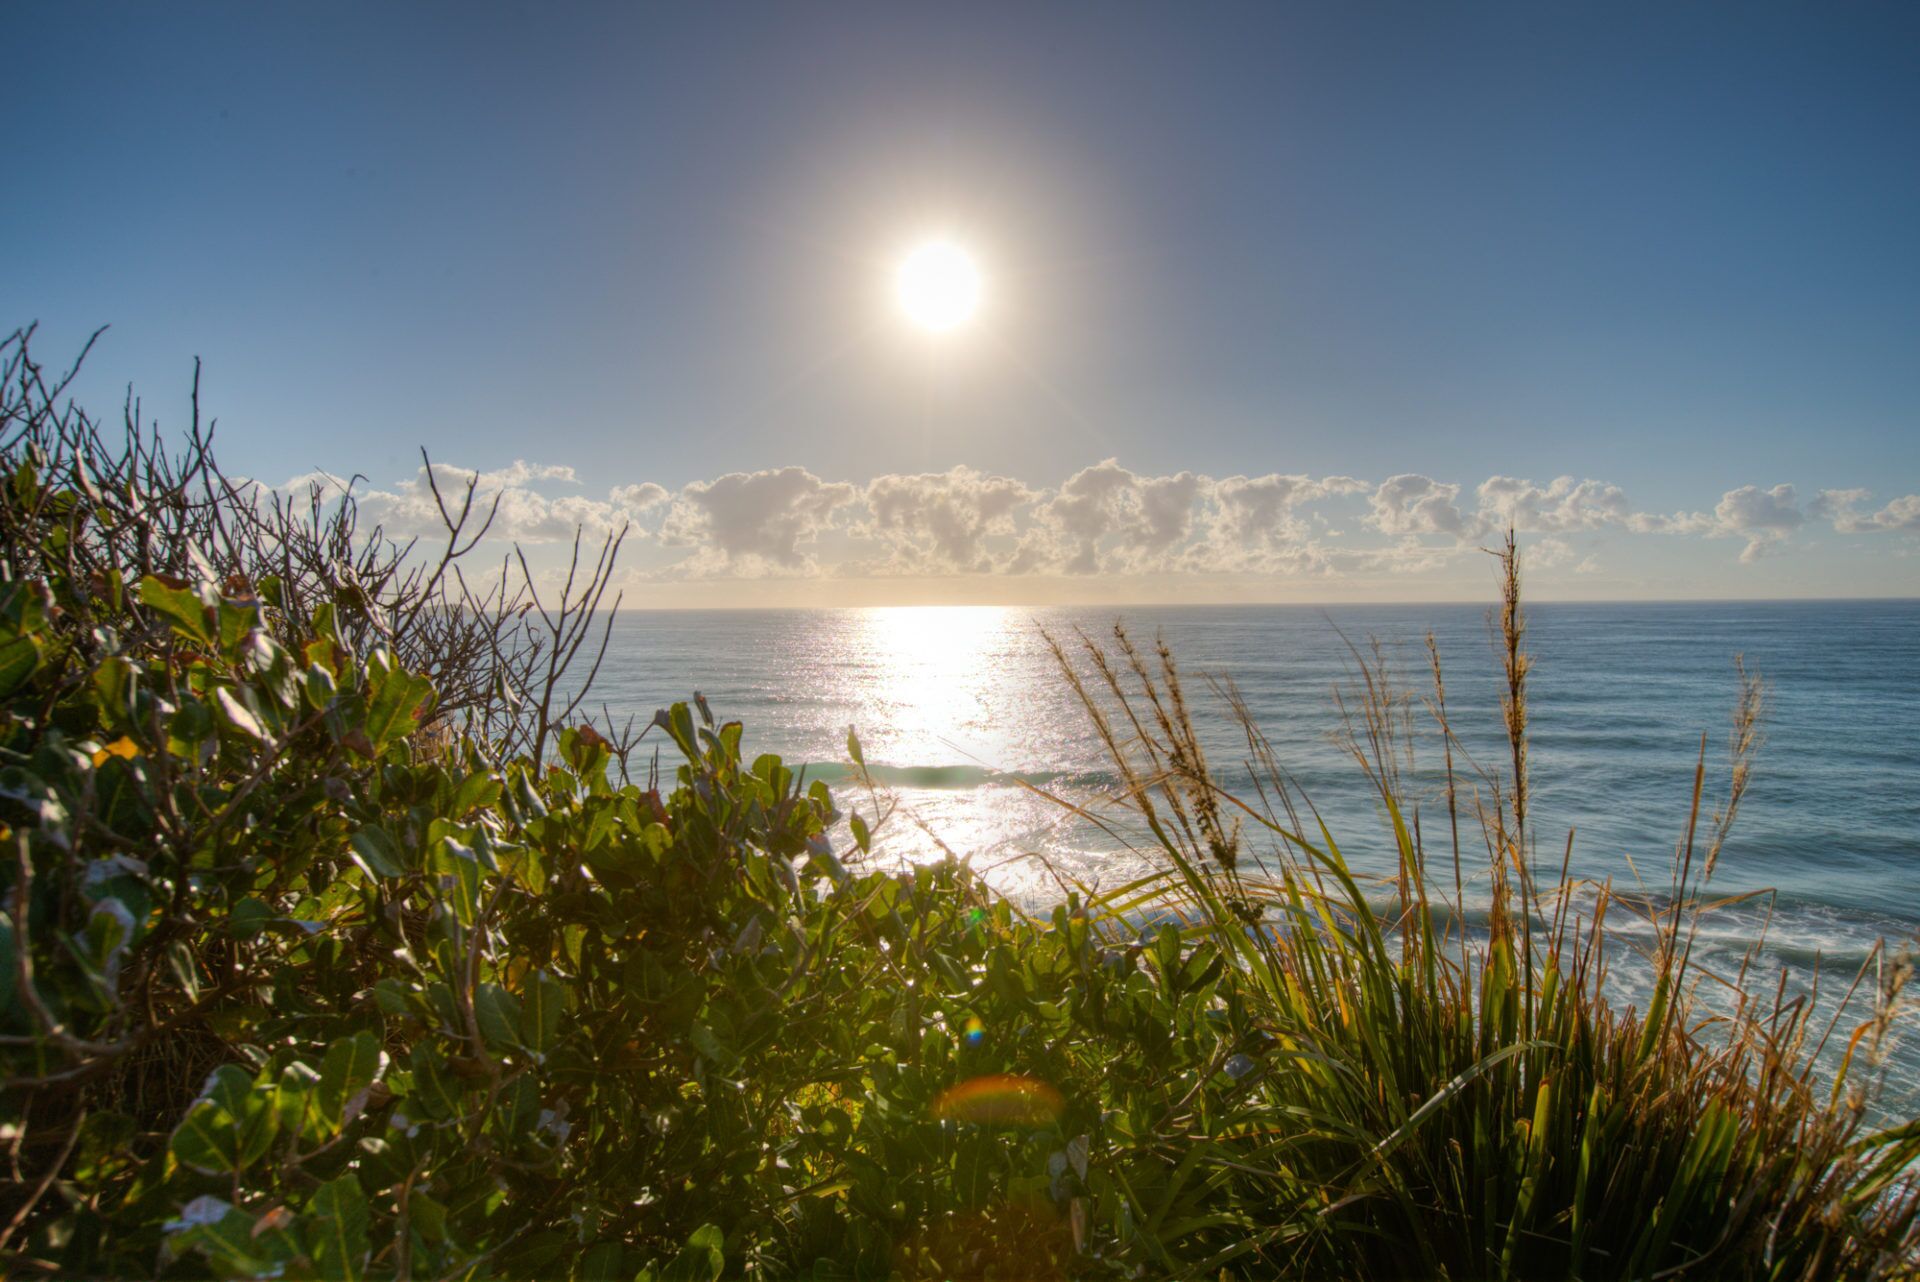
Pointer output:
x,y
938,286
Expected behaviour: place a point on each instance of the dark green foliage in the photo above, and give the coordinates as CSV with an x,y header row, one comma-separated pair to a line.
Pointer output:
x,y
428,1013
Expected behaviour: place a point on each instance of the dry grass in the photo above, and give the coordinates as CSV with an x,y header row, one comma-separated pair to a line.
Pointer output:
x,y
1470,1103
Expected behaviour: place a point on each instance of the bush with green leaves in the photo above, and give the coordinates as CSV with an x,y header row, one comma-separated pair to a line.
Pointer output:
x,y
297,995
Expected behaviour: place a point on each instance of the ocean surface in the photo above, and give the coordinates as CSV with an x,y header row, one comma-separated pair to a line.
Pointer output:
x,y
958,709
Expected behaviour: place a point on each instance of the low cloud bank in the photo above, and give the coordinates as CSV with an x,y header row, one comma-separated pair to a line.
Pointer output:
x,y
1104,519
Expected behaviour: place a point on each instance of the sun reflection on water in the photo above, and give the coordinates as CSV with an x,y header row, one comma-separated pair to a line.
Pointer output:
x,y
957,704
936,672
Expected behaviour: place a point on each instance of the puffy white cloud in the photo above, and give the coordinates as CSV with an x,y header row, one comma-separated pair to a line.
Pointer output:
x,y
638,499
1762,517
521,513
1676,523
326,483
1902,513
1106,518
1564,505
1253,525
1413,504
1842,507
1092,505
1259,509
520,472
753,523
940,522
1164,506
1102,519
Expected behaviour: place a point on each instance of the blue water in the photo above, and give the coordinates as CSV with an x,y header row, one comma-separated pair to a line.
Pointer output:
x,y
955,707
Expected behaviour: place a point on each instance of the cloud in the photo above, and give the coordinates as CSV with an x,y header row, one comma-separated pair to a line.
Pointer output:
x,y
1902,513
1677,523
1101,519
1106,518
638,499
1762,517
1254,527
520,472
327,483
1164,511
941,522
521,513
754,523
1563,506
1415,504
1549,552
1842,508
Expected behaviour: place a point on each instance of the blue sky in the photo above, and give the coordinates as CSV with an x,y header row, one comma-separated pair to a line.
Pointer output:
x,y
1670,252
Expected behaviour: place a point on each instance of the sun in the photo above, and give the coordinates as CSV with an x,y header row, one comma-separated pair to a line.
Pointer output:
x,y
938,286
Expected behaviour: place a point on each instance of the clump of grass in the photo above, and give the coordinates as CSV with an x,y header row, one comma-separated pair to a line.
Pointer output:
x,y
1445,1102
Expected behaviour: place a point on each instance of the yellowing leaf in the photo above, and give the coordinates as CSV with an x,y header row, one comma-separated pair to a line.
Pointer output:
x,y
123,747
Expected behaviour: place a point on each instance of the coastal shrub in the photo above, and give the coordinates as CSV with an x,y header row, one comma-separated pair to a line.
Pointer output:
x,y
310,969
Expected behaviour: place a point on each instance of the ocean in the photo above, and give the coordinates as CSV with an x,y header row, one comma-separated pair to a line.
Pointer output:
x,y
959,709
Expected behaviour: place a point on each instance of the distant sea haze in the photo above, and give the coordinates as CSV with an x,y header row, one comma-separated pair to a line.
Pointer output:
x,y
959,709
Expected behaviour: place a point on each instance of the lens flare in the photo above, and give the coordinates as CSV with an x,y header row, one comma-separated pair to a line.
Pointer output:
x,y
1000,1100
974,1031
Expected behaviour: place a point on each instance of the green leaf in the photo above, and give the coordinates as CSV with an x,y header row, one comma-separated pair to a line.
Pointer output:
x,y
116,680
228,1128
204,1140
351,1066
238,715
702,1259
434,1087
110,928
680,726
523,864
428,1217
498,1014
337,1229
853,749
599,827
180,606
318,685
191,725
326,625
708,1045
541,1009
459,875
19,660
241,1244
475,790
249,917
294,1096
237,619
394,700
527,798
375,850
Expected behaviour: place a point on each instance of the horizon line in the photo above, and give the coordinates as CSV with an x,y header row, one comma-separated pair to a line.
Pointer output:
x,y
1256,605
